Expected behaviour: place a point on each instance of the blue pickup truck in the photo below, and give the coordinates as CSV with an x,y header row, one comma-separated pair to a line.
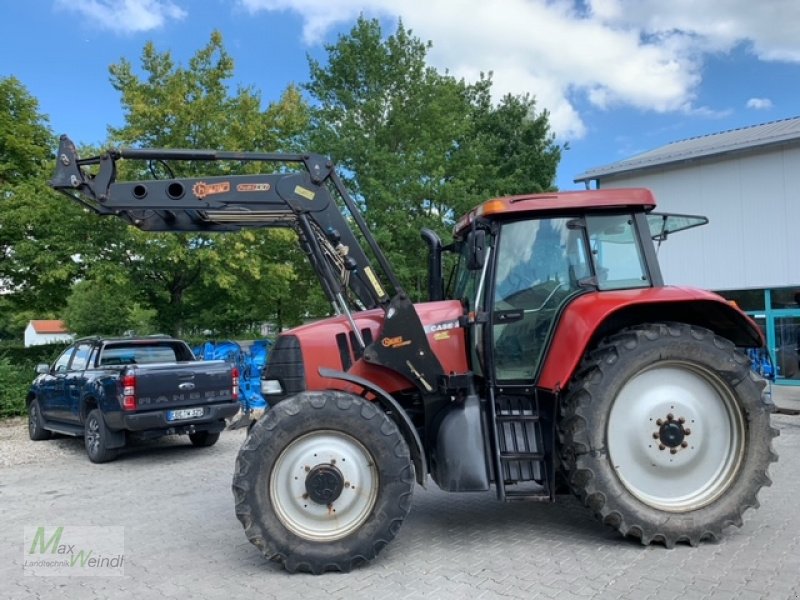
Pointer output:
x,y
111,390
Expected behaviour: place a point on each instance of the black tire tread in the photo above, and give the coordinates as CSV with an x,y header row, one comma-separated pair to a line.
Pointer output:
x,y
248,464
36,430
104,453
582,460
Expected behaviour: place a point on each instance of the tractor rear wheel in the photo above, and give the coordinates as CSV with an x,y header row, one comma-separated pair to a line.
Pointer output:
x,y
665,435
323,482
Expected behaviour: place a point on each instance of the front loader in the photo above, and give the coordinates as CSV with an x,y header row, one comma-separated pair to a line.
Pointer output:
x,y
555,358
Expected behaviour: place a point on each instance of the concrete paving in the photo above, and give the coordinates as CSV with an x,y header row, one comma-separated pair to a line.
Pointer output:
x,y
182,539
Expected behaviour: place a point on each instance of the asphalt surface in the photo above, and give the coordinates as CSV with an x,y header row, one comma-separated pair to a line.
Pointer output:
x,y
182,539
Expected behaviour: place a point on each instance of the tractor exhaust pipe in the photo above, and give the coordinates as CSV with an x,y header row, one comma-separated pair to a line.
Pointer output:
x,y
435,280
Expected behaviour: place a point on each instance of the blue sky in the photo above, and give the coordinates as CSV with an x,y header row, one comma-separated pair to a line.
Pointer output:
x,y
619,76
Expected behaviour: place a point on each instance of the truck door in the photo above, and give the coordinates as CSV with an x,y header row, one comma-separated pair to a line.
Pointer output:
x,y
53,386
76,381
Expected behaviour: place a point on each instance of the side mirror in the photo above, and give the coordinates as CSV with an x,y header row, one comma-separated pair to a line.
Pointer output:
x,y
42,369
476,249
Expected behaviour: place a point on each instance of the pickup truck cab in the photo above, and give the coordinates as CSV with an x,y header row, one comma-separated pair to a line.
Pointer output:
x,y
110,390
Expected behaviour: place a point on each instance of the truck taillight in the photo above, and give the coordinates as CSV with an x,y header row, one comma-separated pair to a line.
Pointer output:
x,y
235,383
129,392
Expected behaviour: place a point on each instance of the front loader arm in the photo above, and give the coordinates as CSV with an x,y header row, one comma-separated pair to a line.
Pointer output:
x,y
300,199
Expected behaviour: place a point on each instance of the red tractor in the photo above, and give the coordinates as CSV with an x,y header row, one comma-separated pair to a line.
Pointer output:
x,y
555,358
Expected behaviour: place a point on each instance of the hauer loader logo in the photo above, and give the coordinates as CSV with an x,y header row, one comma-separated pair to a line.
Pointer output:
x,y
202,189
395,342
253,187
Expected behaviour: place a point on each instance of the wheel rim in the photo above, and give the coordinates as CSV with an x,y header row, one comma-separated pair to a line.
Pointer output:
x,y
676,436
92,435
324,485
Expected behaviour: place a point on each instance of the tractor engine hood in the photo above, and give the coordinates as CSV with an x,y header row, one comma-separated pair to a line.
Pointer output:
x,y
331,343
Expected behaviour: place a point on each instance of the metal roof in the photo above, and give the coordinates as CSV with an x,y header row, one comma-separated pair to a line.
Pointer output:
x,y
734,140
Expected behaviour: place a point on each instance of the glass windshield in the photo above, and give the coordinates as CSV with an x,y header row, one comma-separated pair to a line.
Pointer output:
x,y
540,264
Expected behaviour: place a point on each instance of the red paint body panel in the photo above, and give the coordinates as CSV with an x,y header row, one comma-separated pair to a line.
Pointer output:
x,y
559,201
319,348
583,316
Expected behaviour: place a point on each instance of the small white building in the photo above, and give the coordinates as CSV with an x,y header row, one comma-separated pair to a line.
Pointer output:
x,y
46,331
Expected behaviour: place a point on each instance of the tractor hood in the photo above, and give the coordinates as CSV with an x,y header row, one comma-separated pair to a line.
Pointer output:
x,y
331,343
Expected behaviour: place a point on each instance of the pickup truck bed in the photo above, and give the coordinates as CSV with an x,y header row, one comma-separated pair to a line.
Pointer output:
x,y
111,390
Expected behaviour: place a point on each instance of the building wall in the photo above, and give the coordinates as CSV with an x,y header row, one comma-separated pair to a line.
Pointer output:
x,y
37,339
753,205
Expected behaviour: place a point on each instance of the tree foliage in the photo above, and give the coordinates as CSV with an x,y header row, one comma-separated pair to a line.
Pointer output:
x,y
217,282
417,147
422,147
45,241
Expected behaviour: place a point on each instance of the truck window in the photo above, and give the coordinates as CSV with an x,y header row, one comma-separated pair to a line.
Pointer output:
x,y
81,357
137,354
60,366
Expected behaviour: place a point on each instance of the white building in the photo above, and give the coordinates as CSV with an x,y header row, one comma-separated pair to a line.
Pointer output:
x,y
46,331
742,181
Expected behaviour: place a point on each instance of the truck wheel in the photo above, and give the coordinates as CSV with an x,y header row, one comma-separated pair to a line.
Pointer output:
x,y
36,430
665,435
323,482
95,437
204,439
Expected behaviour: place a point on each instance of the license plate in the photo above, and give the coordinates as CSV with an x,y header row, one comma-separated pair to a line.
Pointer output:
x,y
184,413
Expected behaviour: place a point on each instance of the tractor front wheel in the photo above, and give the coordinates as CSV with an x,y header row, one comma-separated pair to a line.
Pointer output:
x,y
665,435
323,482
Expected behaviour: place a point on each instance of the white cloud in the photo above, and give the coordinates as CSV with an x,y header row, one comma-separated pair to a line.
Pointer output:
x,y
646,54
125,16
759,103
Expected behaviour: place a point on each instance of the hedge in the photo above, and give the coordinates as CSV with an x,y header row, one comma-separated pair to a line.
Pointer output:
x,y
17,371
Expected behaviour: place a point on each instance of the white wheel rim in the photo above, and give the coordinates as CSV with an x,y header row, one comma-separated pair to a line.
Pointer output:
x,y
315,521
663,400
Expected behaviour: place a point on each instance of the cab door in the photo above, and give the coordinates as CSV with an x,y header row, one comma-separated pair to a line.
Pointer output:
x,y
53,397
540,264
75,381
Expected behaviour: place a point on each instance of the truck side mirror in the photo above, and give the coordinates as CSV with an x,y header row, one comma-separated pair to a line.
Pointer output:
x,y
42,369
476,249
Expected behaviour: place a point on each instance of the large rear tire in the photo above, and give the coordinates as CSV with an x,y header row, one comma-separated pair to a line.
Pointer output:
x,y
665,435
323,482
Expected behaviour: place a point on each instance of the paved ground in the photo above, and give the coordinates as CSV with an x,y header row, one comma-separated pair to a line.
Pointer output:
x,y
183,541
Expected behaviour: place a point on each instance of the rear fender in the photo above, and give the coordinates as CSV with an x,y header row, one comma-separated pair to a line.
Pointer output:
x,y
396,413
594,316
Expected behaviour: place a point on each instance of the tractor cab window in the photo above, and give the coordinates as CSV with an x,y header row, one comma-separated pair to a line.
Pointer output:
x,y
540,265
469,286
616,252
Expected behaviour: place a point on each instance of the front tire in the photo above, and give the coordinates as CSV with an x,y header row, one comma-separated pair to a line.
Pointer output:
x,y
323,482
36,430
665,435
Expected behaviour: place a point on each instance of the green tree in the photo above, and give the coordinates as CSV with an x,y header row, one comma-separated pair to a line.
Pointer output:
x,y
420,147
45,240
195,281
99,307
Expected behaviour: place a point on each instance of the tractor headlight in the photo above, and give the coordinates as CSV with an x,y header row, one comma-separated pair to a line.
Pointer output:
x,y
271,387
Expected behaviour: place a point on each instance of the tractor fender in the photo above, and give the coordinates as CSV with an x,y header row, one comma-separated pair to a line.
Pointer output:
x,y
596,315
396,412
